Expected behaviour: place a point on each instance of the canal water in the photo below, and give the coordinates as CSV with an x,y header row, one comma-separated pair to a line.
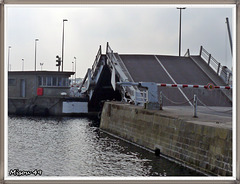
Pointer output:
x,y
73,146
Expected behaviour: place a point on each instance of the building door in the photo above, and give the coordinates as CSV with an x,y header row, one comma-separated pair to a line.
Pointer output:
x,y
23,88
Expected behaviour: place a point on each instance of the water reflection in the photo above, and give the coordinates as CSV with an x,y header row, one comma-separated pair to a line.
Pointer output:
x,y
75,147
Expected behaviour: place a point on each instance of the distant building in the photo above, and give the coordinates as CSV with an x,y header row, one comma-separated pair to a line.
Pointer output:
x,y
28,84
42,93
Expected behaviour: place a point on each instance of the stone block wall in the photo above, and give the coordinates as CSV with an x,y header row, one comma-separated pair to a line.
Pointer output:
x,y
206,148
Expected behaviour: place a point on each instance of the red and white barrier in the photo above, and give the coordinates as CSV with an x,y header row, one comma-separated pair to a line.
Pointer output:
x,y
208,86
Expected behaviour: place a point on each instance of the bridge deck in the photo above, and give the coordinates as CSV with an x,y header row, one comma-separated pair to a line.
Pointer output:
x,y
171,69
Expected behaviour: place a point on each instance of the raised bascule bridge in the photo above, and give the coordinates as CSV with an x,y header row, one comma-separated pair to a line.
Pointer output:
x,y
156,81
178,107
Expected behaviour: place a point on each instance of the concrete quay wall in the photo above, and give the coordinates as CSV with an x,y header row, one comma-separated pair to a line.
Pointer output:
x,y
205,148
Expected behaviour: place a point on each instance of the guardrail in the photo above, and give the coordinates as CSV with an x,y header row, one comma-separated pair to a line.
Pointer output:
x,y
123,74
90,73
98,56
141,97
220,70
187,54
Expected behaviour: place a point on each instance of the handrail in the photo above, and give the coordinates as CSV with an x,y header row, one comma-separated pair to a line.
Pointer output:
x,y
94,66
84,80
220,70
187,54
124,74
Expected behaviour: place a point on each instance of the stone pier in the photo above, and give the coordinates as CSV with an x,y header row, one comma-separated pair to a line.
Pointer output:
x,y
204,143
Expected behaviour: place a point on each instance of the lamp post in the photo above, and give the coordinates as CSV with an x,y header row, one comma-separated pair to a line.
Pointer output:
x,y
180,25
41,64
72,70
22,64
36,54
64,20
75,69
9,47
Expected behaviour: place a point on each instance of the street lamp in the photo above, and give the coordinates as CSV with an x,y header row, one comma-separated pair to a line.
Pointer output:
x,y
22,64
9,47
41,64
180,29
72,70
63,42
36,53
75,69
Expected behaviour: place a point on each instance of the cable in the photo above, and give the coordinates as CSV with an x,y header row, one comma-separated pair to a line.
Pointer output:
x,y
211,108
177,103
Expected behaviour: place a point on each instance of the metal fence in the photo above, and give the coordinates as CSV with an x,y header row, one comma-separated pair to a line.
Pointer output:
x,y
220,70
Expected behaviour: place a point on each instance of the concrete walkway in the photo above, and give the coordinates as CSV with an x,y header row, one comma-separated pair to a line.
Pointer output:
x,y
209,116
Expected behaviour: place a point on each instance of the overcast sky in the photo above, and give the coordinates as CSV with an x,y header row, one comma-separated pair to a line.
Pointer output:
x,y
128,29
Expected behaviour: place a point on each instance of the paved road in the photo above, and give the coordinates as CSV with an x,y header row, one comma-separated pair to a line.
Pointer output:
x,y
173,69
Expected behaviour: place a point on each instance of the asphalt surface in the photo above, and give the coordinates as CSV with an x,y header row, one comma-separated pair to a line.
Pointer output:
x,y
182,70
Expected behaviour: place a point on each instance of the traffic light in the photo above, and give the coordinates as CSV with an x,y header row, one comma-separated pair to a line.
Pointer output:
x,y
58,61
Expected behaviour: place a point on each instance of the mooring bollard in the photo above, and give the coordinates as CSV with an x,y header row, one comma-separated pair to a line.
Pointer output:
x,y
195,106
161,100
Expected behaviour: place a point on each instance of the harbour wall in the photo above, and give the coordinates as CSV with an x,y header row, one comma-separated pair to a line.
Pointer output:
x,y
46,105
35,106
205,148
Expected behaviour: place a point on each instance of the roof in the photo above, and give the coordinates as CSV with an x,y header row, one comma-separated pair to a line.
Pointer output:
x,y
40,73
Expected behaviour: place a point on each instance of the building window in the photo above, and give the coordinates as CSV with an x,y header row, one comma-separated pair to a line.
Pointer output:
x,y
64,82
54,81
67,82
40,81
44,81
59,81
12,82
49,81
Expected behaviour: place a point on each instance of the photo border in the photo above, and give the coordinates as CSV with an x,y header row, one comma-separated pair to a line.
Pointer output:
x,y
120,2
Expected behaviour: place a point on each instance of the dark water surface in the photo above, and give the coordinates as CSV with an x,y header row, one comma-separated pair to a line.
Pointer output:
x,y
70,146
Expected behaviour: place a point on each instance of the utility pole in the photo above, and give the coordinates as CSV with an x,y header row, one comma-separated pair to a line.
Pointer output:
x,y
229,34
63,42
9,47
180,25
36,54
22,64
41,64
75,69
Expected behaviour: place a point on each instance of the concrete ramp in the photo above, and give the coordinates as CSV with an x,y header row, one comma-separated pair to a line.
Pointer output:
x,y
170,70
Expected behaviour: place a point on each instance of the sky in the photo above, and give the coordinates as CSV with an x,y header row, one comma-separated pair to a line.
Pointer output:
x,y
130,29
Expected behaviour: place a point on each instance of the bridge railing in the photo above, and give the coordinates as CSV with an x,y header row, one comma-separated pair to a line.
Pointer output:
x,y
122,72
220,70
141,97
187,54
96,61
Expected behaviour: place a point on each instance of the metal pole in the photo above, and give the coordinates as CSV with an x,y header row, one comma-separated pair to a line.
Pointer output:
x,y
195,106
35,54
200,50
72,70
229,34
9,56
75,70
22,64
209,59
63,42
180,26
41,64
161,101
